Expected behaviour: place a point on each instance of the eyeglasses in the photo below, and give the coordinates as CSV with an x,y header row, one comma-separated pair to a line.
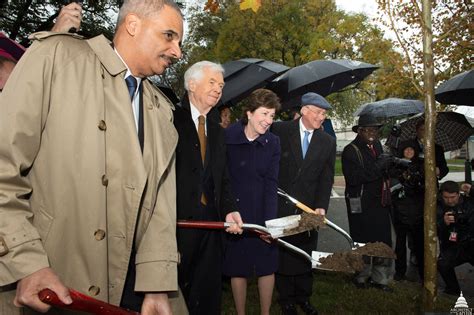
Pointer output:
x,y
317,112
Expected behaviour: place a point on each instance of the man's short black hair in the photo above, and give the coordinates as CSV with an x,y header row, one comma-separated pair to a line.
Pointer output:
x,y
449,187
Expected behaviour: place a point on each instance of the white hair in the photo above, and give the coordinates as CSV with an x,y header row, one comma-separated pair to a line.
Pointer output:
x,y
144,8
195,72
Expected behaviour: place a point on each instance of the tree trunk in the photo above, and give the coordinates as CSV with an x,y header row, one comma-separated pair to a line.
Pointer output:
x,y
430,230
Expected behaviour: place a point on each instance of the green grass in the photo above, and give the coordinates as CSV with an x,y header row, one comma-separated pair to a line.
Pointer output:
x,y
335,294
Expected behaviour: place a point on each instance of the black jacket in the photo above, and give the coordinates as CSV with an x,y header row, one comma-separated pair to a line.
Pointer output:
x,y
373,224
309,180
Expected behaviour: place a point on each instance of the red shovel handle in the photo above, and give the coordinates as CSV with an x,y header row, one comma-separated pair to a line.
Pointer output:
x,y
202,225
83,303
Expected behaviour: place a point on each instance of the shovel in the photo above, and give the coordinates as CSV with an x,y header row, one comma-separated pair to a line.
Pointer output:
x,y
83,303
354,245
255,228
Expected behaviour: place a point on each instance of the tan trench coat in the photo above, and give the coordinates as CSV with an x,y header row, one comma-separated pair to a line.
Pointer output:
x,y
67,126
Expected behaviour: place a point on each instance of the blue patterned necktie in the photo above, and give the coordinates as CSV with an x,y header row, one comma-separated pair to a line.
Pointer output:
x,y
131,85
305,142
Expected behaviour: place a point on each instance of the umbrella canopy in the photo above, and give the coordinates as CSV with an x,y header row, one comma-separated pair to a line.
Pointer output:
x,y
320,76
391,107
168,92
9,48
452,130
246,75
458,90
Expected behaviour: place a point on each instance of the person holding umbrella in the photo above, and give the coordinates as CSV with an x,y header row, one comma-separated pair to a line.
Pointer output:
x,y
307,173
10,52
253,154
367,194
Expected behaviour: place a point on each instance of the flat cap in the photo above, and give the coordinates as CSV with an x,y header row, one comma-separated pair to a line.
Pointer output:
x,y
312,98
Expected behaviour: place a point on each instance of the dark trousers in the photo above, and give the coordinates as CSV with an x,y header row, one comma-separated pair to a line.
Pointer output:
x,y
130,299
200,269
402,231
294,289
452,256
200,275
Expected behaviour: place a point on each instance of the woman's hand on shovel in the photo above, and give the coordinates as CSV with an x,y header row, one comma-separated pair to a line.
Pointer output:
x,y
234,217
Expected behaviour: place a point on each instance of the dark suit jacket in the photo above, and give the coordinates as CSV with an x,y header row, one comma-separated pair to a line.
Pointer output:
x,y
309,180
201,250
189,168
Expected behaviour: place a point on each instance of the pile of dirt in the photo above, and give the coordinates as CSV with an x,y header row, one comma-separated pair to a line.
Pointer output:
x,y
352,261
377,249
308,221
343,262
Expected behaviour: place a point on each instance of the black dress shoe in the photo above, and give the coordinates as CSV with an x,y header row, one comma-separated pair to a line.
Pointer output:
x,y
381,287
308,309
360,285
399,277
288,309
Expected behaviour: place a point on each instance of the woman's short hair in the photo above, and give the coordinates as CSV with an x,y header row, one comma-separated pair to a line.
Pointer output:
x,y
260,98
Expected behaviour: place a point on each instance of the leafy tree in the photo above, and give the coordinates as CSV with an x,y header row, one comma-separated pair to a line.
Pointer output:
x,y
295,32
20,18
452,28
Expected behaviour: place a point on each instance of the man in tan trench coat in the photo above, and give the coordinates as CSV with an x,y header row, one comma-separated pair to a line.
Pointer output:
x,y
80,194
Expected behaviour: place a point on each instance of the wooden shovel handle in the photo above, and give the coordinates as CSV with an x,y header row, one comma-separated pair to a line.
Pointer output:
x,y
83,303
305,208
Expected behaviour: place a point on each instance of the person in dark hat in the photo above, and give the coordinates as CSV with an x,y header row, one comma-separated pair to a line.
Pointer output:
x,y
306,173
368,198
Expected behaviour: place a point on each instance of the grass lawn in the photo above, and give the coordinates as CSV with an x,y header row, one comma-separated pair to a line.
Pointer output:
x,y
335,294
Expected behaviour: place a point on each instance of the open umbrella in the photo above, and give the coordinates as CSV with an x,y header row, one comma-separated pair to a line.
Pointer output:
x,y
246,75
391,107
168,92
321,76
458,90
451,132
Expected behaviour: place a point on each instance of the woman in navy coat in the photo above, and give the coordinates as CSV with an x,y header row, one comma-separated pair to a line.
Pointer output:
x,y
253,155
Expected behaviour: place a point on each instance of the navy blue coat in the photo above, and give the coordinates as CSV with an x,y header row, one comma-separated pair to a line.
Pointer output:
x,y
253,169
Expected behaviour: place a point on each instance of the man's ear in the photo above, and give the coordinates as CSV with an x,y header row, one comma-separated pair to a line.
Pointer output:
x,y
192,85
132,24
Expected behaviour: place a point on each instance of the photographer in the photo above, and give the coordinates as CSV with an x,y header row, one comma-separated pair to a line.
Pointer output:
x,y
455,232
408,208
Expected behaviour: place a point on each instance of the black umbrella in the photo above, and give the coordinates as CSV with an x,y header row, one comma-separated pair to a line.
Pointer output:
x,y
452,130
391,107
246,75
321,76
168,92
458,90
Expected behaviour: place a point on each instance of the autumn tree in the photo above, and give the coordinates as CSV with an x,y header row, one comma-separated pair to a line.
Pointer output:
x,y
20,18
452,27
296,32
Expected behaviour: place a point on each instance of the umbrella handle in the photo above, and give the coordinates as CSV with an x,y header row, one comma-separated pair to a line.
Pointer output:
x,y
83,303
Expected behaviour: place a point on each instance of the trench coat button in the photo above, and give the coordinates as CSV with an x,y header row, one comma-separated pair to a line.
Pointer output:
x,y
105,180
93,290
99,234
102,125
